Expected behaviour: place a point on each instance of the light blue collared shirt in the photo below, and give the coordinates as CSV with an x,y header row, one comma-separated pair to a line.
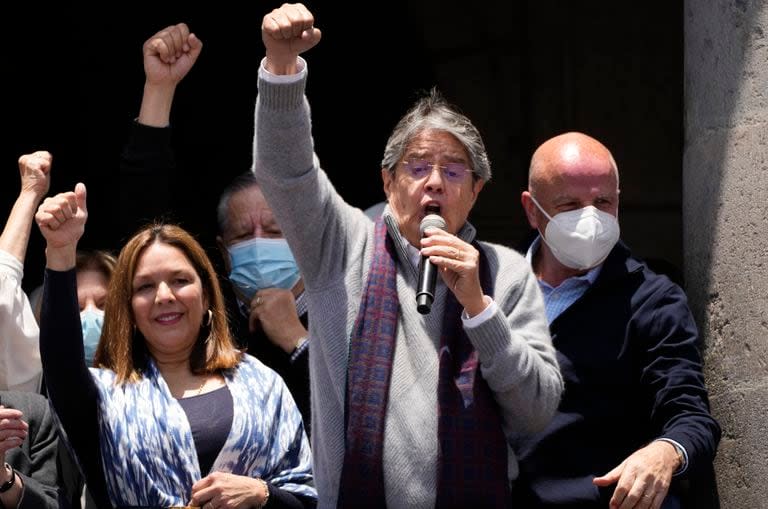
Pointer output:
x,y
558,299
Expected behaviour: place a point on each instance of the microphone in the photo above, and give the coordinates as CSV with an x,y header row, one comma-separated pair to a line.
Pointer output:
x,y
425,290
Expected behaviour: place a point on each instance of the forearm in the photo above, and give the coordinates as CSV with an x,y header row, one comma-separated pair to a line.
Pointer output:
x,y
146,157
13,484
155,110
673,380
698,433
283,132
314,218
70,385
515,349
20,366
36,495
681,413
15,236
61,259
41,482
521,370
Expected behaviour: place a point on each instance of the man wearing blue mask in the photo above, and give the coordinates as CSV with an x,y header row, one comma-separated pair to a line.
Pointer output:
x,y
267,284
634,418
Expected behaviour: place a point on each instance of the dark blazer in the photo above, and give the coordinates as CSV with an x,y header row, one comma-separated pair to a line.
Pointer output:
x,y
629,354
35,460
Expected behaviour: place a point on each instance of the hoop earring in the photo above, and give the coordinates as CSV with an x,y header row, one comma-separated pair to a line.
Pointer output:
x,y
210,318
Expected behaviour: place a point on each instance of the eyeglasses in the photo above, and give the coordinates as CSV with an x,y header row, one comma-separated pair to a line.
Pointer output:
x,y
419,169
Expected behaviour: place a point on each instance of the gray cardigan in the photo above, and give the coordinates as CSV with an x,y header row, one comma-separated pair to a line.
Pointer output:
x,y
35,460
332,243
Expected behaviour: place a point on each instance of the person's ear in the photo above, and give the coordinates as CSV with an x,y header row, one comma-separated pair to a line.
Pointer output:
x,y
477,186
531,210
387,178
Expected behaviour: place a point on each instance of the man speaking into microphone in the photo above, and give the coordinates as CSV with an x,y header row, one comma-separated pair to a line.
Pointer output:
x,y
425,289
408,409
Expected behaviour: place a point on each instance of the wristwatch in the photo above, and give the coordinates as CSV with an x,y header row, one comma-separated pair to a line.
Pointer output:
x,y
301,345
10,482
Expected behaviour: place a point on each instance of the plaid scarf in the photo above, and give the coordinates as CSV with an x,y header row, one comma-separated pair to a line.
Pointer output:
x,y
472,457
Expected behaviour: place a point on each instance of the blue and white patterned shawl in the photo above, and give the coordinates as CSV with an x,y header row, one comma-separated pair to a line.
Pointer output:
x,y
147,447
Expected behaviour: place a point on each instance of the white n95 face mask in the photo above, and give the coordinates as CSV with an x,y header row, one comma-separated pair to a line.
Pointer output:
x,y
581,238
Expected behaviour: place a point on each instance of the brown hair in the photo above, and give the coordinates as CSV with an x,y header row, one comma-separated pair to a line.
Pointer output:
x,y
122,347
97,260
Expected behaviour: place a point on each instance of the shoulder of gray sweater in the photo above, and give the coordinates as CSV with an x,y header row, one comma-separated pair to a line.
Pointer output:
x,y
510,268
503,258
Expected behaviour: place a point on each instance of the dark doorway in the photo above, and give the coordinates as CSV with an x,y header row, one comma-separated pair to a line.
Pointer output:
x,y
524,71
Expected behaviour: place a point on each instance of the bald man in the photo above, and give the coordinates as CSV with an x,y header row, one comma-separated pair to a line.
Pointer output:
x,y
634,418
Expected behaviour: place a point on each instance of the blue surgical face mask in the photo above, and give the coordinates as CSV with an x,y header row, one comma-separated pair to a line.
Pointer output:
x,y
262,263
92,320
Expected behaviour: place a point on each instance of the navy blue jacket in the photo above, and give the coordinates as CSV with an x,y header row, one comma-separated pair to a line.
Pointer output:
x,y
629,354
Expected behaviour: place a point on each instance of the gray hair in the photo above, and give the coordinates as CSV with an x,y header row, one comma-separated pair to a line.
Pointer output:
x,y
434,112
243,181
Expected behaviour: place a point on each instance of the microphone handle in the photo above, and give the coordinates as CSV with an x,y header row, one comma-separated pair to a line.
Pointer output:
x,y
425,290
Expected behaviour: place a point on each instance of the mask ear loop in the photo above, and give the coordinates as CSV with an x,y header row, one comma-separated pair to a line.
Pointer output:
x,y
541,233
539,207
241,296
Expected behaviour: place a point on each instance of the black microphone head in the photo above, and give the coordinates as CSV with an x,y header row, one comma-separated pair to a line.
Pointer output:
x,y
431,221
